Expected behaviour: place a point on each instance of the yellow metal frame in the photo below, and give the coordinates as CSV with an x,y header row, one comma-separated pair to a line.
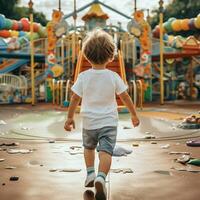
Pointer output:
x,y
139,82
78,65
62,52
32,62
57,92
137,93
161,61
122,67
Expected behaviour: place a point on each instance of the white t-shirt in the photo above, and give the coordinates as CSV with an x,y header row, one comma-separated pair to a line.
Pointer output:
x,y
98,89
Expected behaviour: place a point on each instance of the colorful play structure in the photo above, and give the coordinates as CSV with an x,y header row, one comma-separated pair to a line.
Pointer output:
x,y
15,58
182,59
58,58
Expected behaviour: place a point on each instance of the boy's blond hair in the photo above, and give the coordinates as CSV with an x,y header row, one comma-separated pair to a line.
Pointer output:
x,y
98,47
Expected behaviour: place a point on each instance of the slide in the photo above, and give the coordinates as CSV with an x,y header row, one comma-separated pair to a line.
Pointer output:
x,y
10,65
10,61
117,65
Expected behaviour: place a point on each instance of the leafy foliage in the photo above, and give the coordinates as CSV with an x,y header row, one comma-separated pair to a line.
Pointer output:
x,y
10,9
7,7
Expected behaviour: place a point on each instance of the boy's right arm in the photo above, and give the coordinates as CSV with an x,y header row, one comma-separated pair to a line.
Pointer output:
x,y
69,124
127,101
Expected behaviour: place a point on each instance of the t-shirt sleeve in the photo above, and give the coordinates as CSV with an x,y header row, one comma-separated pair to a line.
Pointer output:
x,y
77,88
120,86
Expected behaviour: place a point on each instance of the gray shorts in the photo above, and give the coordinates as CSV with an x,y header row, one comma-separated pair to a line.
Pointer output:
x,y
104,137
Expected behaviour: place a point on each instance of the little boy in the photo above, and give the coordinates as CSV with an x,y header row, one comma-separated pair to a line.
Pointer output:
x,y
97,88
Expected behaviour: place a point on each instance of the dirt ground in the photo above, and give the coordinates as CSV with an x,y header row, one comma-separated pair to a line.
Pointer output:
x,y
51,166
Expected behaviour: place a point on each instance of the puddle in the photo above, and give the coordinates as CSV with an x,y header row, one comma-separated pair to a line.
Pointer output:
x,y
51,125
34,163
10,167
19,151
65,170
122,170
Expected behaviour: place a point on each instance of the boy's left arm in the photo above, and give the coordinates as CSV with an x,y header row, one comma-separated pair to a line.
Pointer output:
x,y
70,123
127,101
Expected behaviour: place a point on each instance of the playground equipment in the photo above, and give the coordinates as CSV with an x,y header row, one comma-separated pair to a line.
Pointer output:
x,y
191,122
136,93
18,61
61,93
10,65
137,61
93,18
61,49
55,29
140,28
13,81
177,25
15,53
12,88
20,29
181,59
117,65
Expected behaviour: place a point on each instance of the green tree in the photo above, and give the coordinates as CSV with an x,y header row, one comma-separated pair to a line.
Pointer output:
x,y
11,10
179,9
7,7
20,12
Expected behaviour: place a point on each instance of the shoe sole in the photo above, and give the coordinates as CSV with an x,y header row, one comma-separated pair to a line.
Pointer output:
x,y
90,184
100,195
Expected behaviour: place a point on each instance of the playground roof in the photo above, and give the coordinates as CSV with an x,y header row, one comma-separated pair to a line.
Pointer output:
x,y
95,11
95,2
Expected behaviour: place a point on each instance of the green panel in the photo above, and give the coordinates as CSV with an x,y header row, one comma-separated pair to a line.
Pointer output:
x,y
49,96
147,94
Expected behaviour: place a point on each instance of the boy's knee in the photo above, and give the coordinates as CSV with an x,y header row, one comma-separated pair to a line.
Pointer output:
x,y
86,149
105,153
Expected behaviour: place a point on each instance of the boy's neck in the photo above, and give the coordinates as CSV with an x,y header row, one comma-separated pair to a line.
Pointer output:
x,y
98,67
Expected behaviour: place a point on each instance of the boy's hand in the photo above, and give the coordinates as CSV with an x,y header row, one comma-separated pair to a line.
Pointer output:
x,y
69,124
135,121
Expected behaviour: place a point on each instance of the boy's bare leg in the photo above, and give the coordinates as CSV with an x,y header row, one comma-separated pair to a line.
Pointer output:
x,y
89,156
105,162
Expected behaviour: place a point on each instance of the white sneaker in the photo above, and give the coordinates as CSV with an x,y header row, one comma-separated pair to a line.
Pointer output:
x,y
89,182
100,189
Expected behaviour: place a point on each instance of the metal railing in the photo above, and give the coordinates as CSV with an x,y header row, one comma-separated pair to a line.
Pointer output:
x,y
40,46
16,82
60,91
67,51
12,80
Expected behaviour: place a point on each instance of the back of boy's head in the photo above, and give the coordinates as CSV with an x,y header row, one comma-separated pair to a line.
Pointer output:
x,y
98,47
